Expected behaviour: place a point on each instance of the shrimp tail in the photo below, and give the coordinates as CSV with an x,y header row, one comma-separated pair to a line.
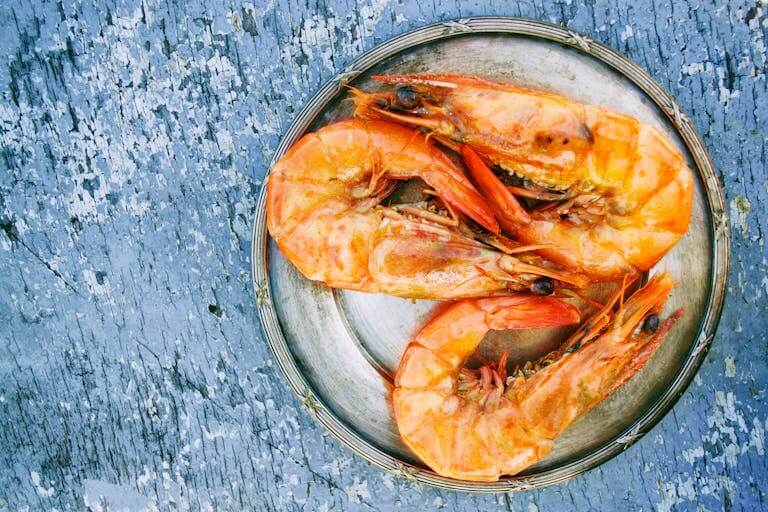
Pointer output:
x,y
462,196
526,312
505,205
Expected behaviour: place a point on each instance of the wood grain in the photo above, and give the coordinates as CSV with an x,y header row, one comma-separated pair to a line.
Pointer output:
x,y
134,137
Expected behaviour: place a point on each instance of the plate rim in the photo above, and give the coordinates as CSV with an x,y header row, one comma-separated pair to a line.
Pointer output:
x,y
718,227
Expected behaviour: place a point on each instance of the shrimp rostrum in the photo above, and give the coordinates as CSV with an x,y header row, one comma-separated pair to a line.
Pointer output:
x,y
325,212
482,424
608,194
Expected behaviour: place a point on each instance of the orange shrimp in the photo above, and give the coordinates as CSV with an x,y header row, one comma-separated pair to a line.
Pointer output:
x,y
616,194
481,424
324,212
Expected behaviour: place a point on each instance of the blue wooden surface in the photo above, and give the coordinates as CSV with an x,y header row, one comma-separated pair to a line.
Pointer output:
x,y
134,137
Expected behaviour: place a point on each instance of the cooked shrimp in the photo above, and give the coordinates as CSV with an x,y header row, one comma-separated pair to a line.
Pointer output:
x,y
324,212
481,424
617,193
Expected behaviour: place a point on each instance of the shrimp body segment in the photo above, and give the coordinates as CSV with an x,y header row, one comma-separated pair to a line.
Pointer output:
x,y
617,193
324,212
482,424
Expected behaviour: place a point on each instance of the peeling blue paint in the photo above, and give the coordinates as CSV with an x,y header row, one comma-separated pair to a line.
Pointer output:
x,y
134,138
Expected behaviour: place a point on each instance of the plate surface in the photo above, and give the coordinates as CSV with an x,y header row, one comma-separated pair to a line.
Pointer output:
x,y
338,349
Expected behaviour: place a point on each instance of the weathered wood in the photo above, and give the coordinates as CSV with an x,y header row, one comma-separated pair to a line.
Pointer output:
x,y
134,137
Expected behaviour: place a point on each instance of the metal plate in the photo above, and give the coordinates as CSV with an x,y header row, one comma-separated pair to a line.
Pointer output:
x,y
337,348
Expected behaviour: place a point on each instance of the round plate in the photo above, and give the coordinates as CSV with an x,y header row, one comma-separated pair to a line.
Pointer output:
x,y
338,349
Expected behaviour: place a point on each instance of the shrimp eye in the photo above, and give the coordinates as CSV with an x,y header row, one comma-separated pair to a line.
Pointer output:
x,y
406,97
543,286
651,323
